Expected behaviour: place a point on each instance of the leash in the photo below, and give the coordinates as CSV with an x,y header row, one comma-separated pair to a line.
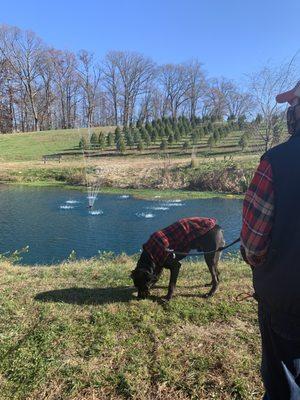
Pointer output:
x,y
219,249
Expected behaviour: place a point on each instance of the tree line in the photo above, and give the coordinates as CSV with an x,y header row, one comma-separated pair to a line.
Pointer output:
x,y
44,88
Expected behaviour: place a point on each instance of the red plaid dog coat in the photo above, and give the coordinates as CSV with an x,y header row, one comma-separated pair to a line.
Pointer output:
x,y
178,236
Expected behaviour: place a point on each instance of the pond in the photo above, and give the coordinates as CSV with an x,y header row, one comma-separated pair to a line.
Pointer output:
x,y
54,221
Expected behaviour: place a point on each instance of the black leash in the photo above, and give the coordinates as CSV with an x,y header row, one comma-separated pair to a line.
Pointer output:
x,y
202,252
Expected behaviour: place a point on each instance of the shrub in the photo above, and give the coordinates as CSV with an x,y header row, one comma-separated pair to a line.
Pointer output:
x,y
83,143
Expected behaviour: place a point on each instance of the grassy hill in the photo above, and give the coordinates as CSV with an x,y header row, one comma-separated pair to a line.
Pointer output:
x,y
33,145
76,332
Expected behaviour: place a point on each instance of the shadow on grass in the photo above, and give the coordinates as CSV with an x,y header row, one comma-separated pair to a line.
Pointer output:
x,y
86,296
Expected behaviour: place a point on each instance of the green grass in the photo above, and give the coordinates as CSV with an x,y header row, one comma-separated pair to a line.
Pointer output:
x,y
76,332
33,145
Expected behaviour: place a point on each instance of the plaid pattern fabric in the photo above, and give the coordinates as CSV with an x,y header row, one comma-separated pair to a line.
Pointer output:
x,y
177,236
258,211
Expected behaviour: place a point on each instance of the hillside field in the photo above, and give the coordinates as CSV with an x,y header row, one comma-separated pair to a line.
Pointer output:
x,y
20,147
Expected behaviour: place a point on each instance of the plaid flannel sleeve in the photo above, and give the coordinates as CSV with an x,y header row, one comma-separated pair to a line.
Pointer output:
x,y
258,211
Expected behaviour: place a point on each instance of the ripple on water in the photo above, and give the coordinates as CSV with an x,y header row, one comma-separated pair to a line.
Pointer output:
x,y
124,196
96,212
145,215
72,202
173,204
158,208
66,207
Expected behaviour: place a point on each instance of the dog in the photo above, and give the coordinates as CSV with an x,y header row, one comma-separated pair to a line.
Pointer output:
x,y
201,234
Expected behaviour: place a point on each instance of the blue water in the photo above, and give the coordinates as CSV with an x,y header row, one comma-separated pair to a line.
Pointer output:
x,y
53,221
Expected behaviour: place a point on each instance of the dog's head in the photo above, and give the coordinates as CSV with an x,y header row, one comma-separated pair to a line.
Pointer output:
x,y
142,279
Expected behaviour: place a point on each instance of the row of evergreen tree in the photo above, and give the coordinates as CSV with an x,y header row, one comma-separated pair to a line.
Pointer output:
x,y
165,132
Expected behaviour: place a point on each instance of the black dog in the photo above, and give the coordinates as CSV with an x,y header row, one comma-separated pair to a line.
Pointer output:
x,y
187,234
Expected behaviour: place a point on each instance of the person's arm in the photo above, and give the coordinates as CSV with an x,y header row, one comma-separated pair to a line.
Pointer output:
x,y
258,212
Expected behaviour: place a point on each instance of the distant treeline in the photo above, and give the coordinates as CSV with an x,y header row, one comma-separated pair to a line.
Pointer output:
x,y
44,88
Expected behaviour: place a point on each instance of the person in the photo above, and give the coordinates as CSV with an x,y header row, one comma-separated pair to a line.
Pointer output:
x,y
270,243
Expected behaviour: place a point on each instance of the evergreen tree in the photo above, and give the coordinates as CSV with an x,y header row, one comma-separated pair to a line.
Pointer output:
x,y
185,145
147,139
118,135
243,142
154,135
129,139
177,135
120,145
200,132
181,129
110,139
140,145
216,135
167,131
101,141
258,119
211,142
83,143
148,127
163,145
241,122
171,138
143,133
136,135
194,136
94,140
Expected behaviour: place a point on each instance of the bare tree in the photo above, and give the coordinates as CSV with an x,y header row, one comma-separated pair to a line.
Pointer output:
x,y
127,77
175,84
66,86
197,86
264,85
112,84
25,53
89,80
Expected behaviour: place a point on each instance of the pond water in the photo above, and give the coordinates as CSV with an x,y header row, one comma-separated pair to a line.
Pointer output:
x,y
54,221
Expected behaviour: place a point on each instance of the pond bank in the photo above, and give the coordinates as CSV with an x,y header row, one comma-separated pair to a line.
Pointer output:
x,y
209,177
146,194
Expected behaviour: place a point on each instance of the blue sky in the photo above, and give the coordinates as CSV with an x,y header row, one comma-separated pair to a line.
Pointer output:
x,y
230,37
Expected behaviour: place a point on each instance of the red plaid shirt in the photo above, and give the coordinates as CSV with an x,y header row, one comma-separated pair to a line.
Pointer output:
x,y
178,236
258,212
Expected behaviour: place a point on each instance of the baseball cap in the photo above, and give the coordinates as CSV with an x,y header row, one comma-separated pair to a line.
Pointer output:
x,y
291,96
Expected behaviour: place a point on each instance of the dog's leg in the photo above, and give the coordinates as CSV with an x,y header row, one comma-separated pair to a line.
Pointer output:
x,y
174,271
212,263
157,272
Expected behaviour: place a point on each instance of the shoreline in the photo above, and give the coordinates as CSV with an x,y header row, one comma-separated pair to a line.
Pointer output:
x,y
145,193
